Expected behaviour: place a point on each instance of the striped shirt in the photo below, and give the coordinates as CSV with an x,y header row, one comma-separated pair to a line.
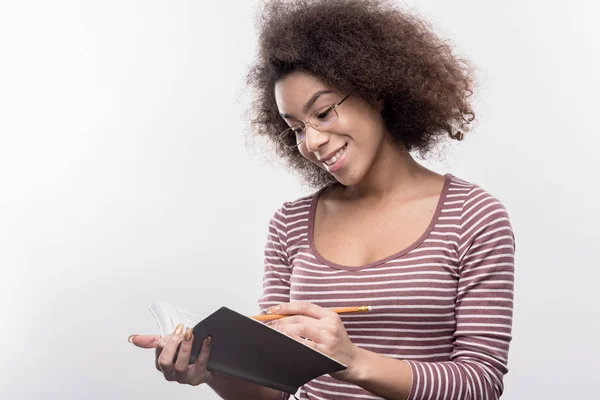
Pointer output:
x,y
444,304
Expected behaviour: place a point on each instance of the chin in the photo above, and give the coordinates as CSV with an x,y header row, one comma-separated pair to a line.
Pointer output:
x,y
347,179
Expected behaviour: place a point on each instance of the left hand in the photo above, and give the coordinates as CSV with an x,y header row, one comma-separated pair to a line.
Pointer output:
x,y
323,328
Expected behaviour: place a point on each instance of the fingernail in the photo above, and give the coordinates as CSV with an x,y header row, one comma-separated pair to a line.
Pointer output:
x,y
208,341
272,310
130,338
188,335
179,329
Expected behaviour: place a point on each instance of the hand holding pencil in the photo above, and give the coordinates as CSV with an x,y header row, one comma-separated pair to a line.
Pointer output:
x,y
320,328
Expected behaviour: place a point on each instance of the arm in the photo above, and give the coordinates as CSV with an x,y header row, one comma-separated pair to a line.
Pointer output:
x,y
277,270
484,308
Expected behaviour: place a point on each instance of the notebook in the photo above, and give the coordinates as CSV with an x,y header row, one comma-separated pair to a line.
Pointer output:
x,y
248,349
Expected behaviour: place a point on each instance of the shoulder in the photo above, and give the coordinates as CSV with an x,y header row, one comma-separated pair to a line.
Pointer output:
x,y
483,215
293,209
289,224
474,199
292,214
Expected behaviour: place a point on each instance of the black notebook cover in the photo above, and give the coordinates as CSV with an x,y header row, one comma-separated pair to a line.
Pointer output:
x,y
247,349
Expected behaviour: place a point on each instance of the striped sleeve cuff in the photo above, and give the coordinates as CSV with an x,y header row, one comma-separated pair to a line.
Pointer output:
x,y
449,380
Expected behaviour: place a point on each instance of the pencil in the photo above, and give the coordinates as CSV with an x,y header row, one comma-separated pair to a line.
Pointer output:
x,y
339,310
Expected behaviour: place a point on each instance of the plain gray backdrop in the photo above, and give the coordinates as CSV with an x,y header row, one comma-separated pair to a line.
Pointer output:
x,y
125,178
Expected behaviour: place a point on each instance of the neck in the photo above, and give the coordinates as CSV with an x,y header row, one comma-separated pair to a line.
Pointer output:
x,y
394,172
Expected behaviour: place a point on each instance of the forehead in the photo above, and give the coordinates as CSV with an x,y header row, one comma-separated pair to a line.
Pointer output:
x,y
292,91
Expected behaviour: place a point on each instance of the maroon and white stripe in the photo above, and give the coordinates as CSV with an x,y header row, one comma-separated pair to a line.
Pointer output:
x,y
444,305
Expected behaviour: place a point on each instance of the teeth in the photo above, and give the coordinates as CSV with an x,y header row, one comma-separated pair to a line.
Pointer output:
x,y
335,157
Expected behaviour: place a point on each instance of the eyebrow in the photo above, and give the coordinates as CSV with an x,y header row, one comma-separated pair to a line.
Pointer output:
x,y
309,103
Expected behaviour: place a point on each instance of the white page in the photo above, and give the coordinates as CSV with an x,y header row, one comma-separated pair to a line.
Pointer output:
x,y
168,317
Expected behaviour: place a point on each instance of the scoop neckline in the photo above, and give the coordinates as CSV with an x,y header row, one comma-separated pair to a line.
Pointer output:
x,y
418,242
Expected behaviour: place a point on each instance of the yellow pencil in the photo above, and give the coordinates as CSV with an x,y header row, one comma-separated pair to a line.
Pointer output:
x,y
339,310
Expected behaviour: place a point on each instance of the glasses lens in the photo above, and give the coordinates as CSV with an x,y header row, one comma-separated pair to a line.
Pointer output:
x,y
293,136
323,117
300,134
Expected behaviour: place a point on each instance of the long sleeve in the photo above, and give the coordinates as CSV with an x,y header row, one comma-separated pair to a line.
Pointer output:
x,y
277,273
484,307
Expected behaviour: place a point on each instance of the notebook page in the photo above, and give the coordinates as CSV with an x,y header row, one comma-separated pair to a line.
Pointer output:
x,y
168,317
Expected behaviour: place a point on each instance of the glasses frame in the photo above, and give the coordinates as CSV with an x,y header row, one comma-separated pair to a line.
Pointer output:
x,y
283,134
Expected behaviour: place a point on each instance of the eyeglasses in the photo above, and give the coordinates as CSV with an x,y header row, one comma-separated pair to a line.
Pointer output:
x,y
319,120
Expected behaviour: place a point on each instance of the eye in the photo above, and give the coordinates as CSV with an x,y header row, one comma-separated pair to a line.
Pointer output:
x,y
298,130
324,114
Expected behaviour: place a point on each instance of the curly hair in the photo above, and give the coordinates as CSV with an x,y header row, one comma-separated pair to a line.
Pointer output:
x,y
369,48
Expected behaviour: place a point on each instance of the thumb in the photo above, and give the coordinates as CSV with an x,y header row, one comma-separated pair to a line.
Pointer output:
x,y
144,341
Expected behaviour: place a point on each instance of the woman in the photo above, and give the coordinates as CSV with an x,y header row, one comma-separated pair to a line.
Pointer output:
x,y
347,89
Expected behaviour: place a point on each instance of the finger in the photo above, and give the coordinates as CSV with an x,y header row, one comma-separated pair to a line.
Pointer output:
x,y
183,356
304,340
165,360
159,348
300,308
302,330
200,367
295,319
309,343
144,341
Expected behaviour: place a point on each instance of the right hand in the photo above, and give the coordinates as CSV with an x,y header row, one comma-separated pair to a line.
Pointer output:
x,y
166,347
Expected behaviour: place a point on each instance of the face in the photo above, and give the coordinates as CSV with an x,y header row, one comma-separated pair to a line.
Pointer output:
x,y
349,147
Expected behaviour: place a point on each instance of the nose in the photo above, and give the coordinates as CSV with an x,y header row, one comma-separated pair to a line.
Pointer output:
x,y
314,138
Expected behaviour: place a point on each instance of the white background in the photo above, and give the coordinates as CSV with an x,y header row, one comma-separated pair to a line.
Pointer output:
x,y
125,178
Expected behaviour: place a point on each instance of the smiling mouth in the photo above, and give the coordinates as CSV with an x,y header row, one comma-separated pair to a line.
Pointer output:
x,y
335,157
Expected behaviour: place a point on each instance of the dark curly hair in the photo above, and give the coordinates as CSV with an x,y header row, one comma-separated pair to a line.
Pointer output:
x,y
369,48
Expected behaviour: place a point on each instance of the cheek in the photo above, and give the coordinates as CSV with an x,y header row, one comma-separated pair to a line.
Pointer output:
x,y
303,151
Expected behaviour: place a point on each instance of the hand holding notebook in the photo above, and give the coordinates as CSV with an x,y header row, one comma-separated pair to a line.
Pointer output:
x,y
245,348
172,356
